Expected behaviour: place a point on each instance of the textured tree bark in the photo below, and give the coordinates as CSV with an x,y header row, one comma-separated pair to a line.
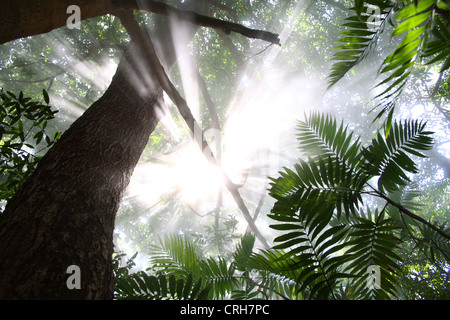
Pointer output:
x,y
23,18
64,214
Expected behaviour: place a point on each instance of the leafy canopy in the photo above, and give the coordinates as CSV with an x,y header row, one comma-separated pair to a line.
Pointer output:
x,y
423,29
328,243
24,138
331,239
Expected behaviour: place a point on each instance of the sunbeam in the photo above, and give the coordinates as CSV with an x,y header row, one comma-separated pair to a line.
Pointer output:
x,y
256,139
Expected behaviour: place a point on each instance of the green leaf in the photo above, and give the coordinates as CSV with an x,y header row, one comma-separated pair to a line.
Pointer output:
x,y
414,9
359,42
387,157
411,23
46,97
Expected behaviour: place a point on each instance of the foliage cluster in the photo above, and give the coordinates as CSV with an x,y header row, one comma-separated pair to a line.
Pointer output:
x,y
23,138
328,240
423,27
348,206
248,276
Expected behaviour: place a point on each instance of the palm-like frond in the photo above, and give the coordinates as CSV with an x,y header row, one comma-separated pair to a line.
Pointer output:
x,y
141,286
371,242
243,251
413,21
312,246
176,256
323,246
387,157
332,173
276,273
434,245
221,275
248,292
331,184
321,136
273,276
438,47
406,196
360,38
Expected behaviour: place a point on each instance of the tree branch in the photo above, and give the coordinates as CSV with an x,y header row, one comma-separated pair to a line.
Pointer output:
x,y
198,19
230,46
434,92
215,122
41,16
411,214
144,42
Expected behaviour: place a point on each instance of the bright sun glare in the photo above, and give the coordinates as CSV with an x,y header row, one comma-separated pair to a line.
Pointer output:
x,y
256,134
186,171
196,178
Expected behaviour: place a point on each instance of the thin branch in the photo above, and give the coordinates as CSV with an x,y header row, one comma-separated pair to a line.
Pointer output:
x,y
230,46
217,209
21,65
198,19
215,122
137,35
434,92
260,203
436,86
209,102
410,214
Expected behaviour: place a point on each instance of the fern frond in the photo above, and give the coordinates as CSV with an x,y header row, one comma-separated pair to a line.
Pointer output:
x,y
323,247
372,242
322,186
406,196
321,136
220,275
387,156
434,245
277,274
249,292
178,257
244,250
141,286
312,246
273,276
175,256
359,40
415,22
439,45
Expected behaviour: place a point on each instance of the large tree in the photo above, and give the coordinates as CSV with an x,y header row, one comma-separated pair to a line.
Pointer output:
x,y
64,213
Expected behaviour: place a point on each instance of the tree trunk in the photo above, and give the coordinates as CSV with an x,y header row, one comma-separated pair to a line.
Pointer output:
x,y
64,213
